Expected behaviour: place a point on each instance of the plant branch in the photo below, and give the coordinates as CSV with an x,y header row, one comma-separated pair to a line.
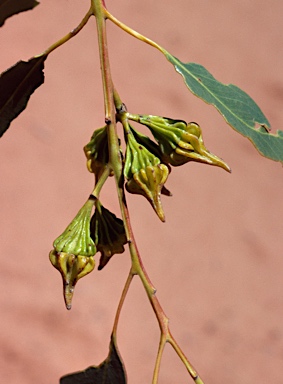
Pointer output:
x,y
138,269
69,35
111,102
161,347
184,359
98,11
121,302
162,319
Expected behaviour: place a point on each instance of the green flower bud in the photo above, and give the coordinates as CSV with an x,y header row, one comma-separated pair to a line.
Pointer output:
x,y
154,149
96,152
108,232
179,142
74,250
145,174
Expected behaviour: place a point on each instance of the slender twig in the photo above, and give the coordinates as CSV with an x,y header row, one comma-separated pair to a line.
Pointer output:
x,y
100,182
121,302
69,35
162,343
184,359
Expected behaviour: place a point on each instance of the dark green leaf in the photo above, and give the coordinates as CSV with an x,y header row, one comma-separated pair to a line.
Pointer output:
x,y
238,109
11,7
111,371
16,86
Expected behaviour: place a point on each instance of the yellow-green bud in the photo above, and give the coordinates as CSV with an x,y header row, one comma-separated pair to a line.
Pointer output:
x,y
74,250
149,182
179,142
145,174
72,268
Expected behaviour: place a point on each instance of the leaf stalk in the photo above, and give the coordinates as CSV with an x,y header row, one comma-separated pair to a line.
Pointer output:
x,y
134,33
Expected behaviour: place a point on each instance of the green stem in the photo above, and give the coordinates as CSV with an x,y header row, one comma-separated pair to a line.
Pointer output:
x,y
98,186
69,35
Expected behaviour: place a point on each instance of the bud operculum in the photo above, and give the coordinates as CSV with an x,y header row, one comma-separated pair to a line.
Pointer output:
x,y
72,268
144,173
108,232
74,250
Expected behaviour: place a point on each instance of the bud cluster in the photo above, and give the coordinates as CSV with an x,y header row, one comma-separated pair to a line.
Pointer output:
x,y
146,167
147,163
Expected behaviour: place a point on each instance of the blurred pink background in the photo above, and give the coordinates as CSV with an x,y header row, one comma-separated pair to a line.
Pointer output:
x,y
217,262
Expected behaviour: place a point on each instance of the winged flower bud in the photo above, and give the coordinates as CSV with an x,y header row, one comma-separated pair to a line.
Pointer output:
x,y
179,142
108,232
145,174
74,250
96,152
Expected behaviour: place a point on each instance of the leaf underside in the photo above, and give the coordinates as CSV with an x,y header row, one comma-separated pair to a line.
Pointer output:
x,y
16,86
9,8
237,108
110,371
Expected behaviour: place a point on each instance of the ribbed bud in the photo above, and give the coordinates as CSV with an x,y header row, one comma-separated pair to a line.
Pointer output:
x,y
145,174
108,232
179,142
154,149
74,250
96,152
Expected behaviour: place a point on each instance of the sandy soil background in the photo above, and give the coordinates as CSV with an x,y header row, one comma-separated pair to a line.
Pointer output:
x,y
217,261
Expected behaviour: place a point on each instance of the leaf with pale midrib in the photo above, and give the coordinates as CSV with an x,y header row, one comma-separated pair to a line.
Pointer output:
x,y
9,8
16,86
238,109
110,371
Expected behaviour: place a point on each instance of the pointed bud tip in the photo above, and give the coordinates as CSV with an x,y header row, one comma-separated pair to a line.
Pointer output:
x,y
68,296
226,167
212,159
161,215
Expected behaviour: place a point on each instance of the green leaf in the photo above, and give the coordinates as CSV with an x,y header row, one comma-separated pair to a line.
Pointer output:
x,y
9,8
16,86
237,108
111,371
